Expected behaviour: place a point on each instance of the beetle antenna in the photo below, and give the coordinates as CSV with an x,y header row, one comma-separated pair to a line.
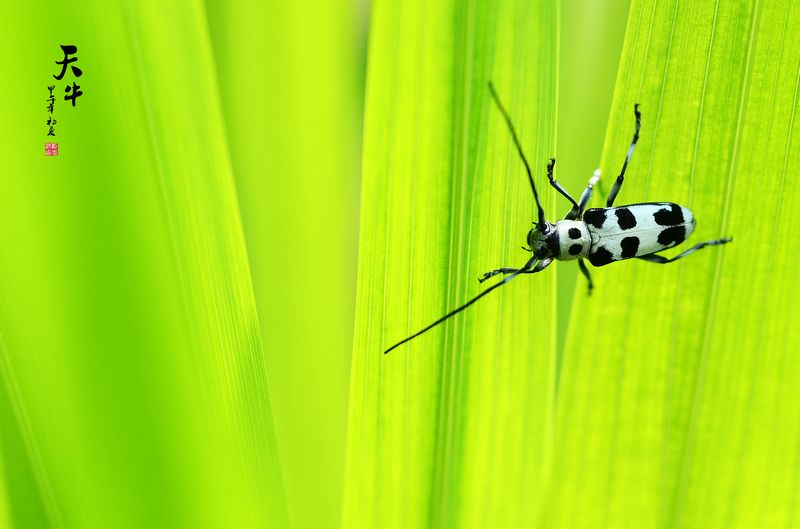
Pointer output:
x,y
513,131
452,313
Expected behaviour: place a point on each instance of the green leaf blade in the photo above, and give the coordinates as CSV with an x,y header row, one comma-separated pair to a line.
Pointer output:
x,y
672,373
434,432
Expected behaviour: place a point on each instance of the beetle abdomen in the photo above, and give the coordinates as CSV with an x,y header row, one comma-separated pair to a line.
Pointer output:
x,y
637,229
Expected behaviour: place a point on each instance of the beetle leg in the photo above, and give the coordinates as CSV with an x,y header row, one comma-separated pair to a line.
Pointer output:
x,y
618,183
556,185
577,211
493,273
585,272
541,265
660,259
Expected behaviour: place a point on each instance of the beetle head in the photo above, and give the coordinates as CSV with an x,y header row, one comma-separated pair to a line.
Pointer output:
x,y
543,241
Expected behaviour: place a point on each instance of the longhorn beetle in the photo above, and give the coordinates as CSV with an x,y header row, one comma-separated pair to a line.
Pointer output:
x,y
600,235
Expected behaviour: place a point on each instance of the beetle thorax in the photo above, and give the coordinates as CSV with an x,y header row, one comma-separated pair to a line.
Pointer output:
x,y
574,240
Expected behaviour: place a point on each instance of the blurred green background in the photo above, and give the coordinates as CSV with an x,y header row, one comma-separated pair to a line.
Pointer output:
x,y
178,286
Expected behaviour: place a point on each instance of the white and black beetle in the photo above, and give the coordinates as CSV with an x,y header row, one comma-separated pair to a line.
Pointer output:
x,y
601,235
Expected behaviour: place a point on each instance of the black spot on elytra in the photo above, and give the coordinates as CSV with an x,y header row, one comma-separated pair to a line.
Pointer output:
x,y
629,246
596,217
672,236
669,217
575,249
625,218
601,257
574,233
